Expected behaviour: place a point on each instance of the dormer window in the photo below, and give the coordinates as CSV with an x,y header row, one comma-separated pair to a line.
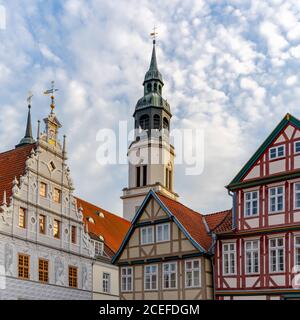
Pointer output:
x,y
277,152
99,247
91,220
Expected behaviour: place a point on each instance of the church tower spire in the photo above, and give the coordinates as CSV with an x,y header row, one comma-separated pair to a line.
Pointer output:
x,y
154,167
28,139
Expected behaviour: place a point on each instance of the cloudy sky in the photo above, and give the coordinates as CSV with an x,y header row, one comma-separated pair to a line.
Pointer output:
x,y
230,68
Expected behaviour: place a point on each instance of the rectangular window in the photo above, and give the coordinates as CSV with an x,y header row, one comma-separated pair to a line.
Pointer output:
x,y
276,255
297,251
252,256
138,176
22,218
229,258
277,152
23,266
163,232
43,270
276,199
297,195
167,178
57,195
150,277
98,245
170,275
73,234
73,277
56,229
147,235
43,189
126,279
193,273
42,224
106,282
297,147
144,175
251,203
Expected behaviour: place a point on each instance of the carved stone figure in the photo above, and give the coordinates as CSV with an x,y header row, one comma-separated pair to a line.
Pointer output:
x,y
84,277
59,271
8,252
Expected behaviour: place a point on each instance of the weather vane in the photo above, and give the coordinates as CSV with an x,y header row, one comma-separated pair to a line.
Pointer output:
x,y
51,91
29,98
153,34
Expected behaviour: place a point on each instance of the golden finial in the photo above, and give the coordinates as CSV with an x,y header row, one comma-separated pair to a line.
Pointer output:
x,y
288,116
51,91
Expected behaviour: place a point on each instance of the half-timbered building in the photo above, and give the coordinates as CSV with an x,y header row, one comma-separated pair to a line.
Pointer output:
x,y
258,247
167,252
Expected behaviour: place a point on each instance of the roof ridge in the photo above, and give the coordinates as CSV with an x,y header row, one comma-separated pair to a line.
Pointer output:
x,y
180,204
19,148
98,207
217,212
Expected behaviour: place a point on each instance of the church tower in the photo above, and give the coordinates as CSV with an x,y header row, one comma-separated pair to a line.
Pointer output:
x,y
150,155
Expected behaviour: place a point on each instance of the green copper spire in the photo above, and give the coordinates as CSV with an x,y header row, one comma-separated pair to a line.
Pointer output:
x,y
153,72
28,139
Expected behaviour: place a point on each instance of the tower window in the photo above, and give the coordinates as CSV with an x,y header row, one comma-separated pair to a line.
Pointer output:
x,y
156,121
166,124
144,175
155,87
159,88
149,87
138,176
144,122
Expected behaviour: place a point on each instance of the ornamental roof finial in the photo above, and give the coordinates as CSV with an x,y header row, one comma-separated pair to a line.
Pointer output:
x,y
52,92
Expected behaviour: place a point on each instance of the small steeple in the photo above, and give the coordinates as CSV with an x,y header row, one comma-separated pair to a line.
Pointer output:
x,y
28,139
153,73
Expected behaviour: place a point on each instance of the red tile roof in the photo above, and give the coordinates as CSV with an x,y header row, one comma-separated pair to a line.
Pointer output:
x,y
112,227
191,220
12,164
219,221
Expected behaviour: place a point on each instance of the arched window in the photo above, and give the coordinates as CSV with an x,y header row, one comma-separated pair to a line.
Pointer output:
x,y
155,87
166,124
156,121
159,89
144,122
149,87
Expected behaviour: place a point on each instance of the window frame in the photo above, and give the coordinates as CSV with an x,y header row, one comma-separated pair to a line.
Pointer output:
x,y
276,199
295,195
43,195
142,242
296,246
169,231
99,245
151,274
126,277
252,251
73,234
251,200
295,151
24,221
44,272
73,277
44,224
170,273
59,195
228,253
276,152
192,270
107,281
23,266
58,229
276,249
